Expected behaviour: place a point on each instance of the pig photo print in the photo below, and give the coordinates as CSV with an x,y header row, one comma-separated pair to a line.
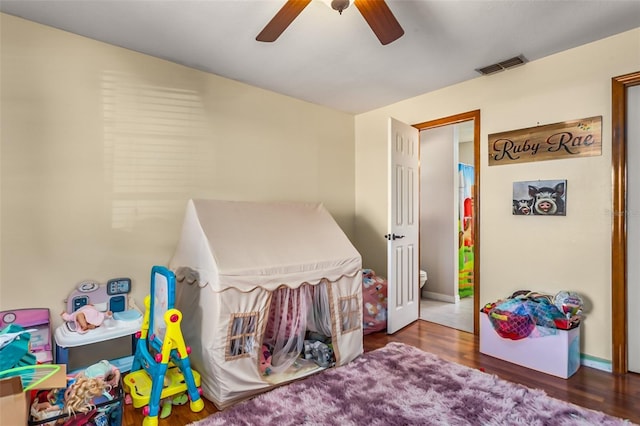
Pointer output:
x,y
540,198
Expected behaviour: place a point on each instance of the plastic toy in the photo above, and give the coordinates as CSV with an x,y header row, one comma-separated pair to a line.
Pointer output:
x,y
36,322
14,349
161,367
31,375
86,318
97,313
110,297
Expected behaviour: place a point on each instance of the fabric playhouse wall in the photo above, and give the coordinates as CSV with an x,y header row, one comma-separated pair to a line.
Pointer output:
x,y
251,276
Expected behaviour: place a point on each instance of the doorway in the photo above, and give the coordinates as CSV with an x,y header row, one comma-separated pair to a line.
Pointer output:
x,y
449,228
624,281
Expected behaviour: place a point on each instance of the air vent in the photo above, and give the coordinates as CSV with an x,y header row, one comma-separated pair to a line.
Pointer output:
x,y
503,65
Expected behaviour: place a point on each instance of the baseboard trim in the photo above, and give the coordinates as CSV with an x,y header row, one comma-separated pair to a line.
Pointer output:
x,y
440,297
597,363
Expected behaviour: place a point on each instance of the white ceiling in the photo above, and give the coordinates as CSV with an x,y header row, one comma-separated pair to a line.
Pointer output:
x,y
336,60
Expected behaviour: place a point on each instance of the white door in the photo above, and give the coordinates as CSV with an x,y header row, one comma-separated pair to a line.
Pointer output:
x,y
633,228
402,239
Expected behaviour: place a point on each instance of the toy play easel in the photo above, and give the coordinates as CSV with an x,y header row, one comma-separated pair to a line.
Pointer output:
x,y
152,377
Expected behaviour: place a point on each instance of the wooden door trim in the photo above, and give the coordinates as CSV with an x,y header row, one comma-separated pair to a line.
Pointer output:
x,y
455,119
619,331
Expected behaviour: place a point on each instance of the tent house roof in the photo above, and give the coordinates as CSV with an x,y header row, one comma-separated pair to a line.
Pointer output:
x,y
245,245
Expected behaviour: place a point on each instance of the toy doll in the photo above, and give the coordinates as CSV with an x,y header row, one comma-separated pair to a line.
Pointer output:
x,y
76,398
86,318
47,404
80,394
103,370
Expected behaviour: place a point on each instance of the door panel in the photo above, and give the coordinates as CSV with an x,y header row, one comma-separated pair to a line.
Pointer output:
x,y
402,244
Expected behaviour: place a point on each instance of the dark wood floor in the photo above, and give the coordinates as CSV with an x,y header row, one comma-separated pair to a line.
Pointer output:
x,y
616,395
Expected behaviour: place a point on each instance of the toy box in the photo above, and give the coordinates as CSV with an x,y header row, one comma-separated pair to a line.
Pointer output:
x,y
14,402
557,353
103,412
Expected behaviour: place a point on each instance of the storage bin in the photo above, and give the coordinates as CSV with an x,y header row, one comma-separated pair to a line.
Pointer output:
x,y
557,352
104,412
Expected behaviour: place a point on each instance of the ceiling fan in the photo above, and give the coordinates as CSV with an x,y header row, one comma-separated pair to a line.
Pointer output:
x,y
376,12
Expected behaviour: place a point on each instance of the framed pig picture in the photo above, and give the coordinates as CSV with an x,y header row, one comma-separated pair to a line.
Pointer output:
x,y
540,198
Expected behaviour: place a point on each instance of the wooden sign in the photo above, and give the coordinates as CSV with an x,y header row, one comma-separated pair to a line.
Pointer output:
x,y
578,138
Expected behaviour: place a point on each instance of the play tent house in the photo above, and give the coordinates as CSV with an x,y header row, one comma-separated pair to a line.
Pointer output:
x,y
251,277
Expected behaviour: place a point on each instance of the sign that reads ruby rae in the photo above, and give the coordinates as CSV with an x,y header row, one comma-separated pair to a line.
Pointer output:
x,y
578,138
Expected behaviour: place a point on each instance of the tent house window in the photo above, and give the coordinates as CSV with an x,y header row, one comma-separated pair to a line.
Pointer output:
x,y
349,313
242,335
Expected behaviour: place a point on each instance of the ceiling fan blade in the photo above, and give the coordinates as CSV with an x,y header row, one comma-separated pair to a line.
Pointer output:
x,y
380,19
282,20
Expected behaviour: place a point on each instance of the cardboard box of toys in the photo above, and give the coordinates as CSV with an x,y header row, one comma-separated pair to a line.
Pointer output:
x,y
15,402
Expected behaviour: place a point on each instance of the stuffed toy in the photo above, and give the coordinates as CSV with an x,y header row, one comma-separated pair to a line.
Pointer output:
x,y
168,403
265,361
318,352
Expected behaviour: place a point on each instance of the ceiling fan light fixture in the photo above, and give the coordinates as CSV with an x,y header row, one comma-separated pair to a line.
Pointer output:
x,y
340,5
376,12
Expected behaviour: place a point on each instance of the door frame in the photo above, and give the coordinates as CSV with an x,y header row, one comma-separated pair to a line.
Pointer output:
x,y
619,330
454,119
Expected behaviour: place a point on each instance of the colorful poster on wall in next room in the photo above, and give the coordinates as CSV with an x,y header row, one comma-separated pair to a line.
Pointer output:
x,y
577,138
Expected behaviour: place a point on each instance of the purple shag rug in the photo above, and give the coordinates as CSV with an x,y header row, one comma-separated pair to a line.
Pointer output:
x,y
402,385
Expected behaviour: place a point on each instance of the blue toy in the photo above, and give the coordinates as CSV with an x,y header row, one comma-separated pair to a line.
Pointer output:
x,y
161,367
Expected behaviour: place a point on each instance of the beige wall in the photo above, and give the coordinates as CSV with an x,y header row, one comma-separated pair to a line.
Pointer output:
x,y
102,147
539,253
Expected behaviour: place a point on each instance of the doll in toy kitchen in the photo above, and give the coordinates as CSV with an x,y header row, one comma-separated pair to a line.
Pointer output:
x,y
98,313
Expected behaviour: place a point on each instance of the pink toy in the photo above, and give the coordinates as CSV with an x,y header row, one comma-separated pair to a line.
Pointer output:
x,y
265,361
86,318
32,318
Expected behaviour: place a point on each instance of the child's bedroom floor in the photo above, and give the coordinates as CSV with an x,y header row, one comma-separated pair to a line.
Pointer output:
x,y
616,395
455,315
